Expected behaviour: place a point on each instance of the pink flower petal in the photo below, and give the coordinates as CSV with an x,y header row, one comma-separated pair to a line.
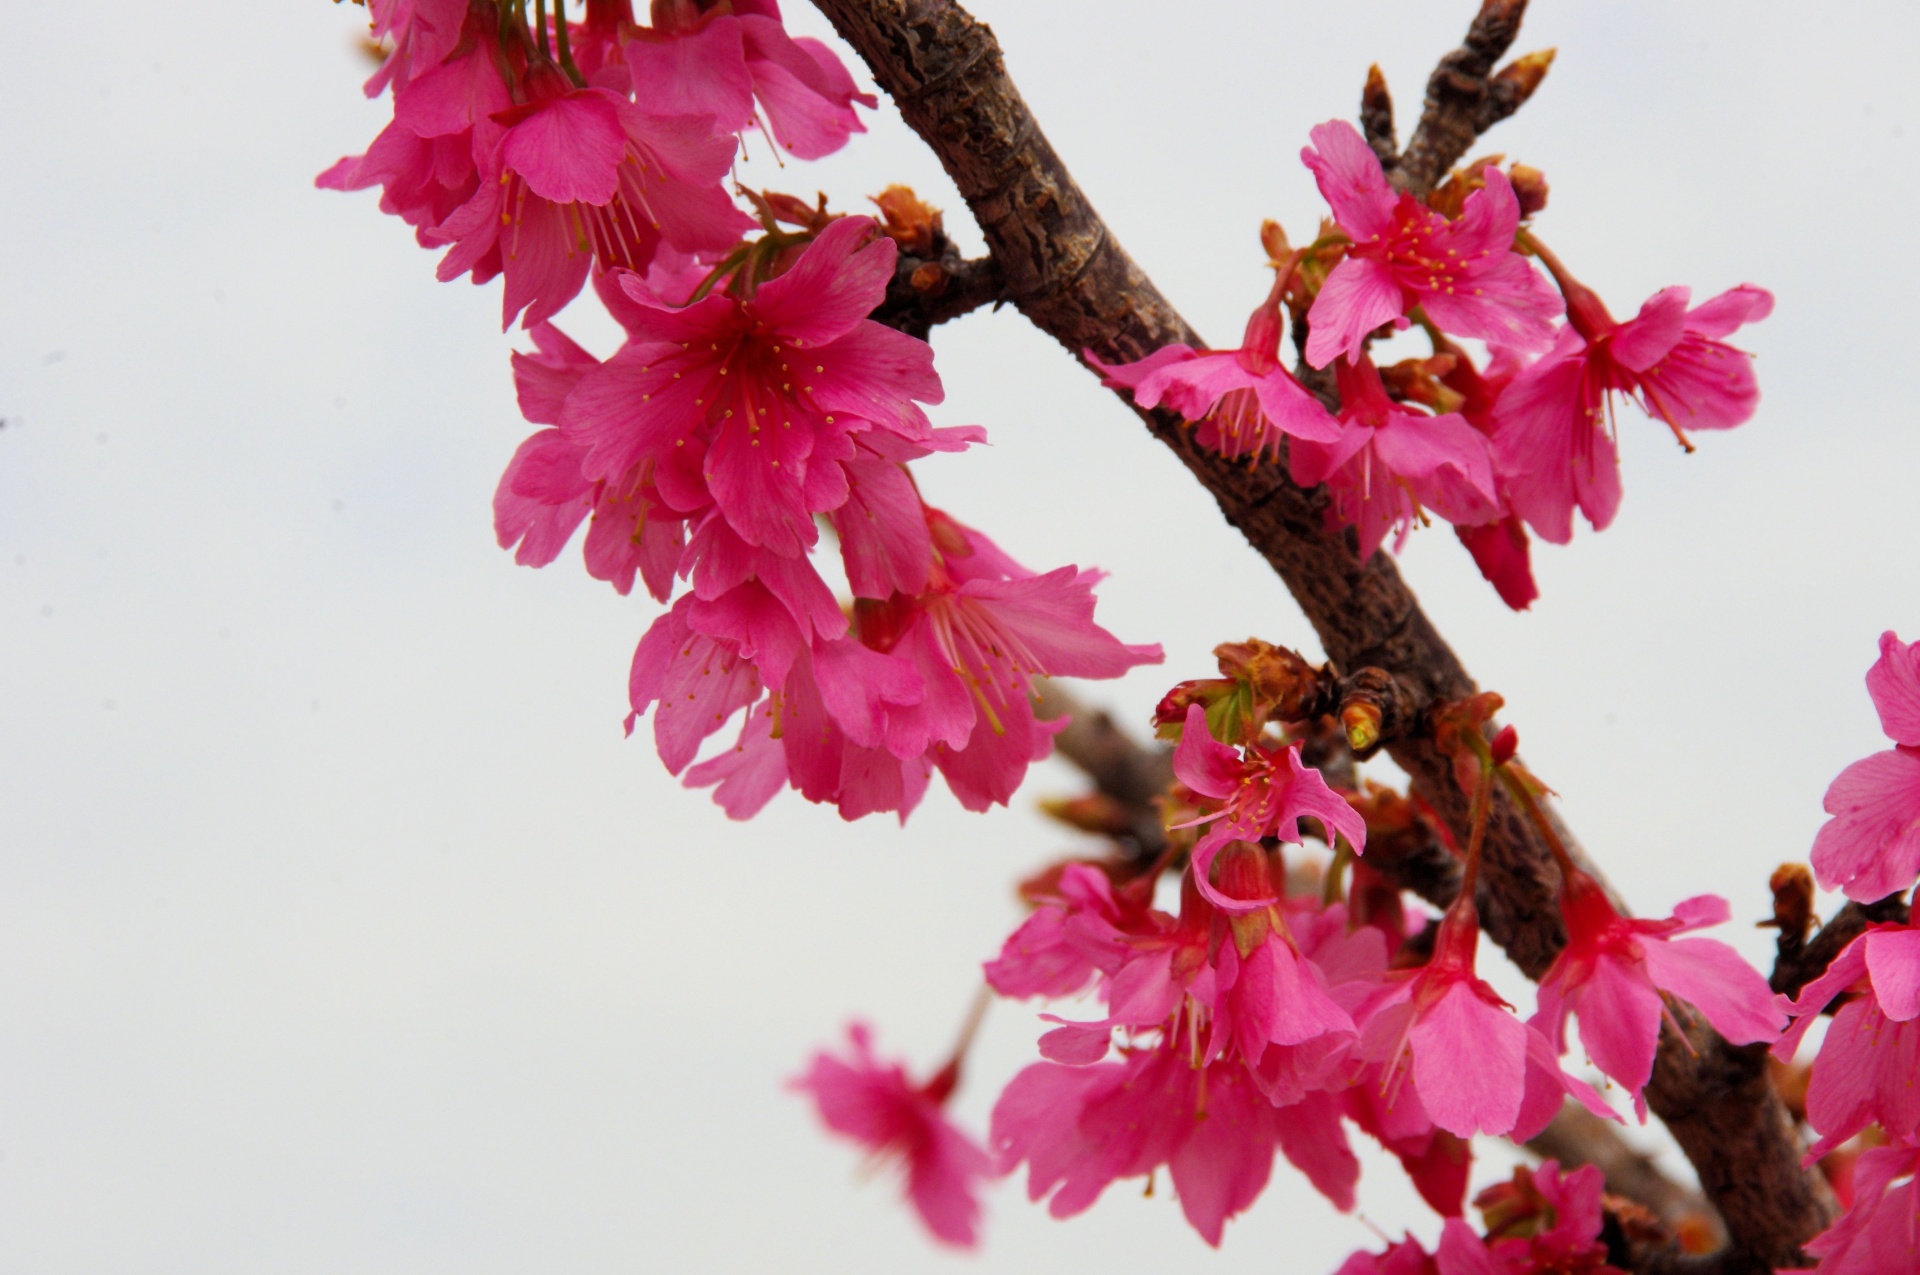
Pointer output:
x,y
1894,684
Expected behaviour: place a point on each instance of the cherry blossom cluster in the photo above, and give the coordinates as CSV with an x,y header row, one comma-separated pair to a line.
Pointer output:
x,y
1262,1020
752,410
1518,443
1863,1080
755,412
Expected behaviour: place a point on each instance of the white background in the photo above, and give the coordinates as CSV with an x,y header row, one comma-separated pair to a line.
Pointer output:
x,y
341,930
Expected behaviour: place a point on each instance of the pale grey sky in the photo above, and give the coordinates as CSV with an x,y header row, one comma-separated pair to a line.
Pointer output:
x,y
340,929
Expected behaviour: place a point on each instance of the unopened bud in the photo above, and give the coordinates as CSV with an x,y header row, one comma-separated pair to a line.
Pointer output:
x,y
1274,240
1525,73
1361,722
1529,187
1505,745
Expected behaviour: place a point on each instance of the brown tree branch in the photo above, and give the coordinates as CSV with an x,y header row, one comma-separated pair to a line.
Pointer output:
x,y
926,291
1799,964
1130,774
1069,275
1465,98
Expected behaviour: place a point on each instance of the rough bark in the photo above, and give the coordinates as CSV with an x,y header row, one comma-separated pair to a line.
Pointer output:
x,y
1061,265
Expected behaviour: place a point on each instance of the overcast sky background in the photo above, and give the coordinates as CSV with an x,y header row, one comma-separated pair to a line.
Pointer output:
x,y
340,928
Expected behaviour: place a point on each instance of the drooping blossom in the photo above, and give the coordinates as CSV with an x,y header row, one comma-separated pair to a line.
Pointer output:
x,y
1464,273
753,399
427,159
420,33
736,64
876,1105
942,680
1460,1252
1880,1234
1499,548
582,177
1391,462
1871,846
1083,928
543,496
1080,1128
1864,1073
1553,439
1259,792
976,638
1475,1067
1547,1219
1614,970
1243,402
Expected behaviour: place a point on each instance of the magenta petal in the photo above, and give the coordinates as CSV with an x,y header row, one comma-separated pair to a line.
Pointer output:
x,y
746,776
1871,846
702,72
1469,1063
1620,1020
1730,310
569,150
1359,296
1461,1252
1508,304
1315,1142
837,282
1202,762
1649,336
1293,410
1893,962
1076,1044
1351,180
1224,1162
1894,684
1717,981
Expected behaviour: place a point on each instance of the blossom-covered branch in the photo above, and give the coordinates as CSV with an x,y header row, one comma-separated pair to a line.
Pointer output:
x,y
1069,275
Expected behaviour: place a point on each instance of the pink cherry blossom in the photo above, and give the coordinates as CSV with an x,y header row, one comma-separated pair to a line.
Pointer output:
x,y
1499,548
1880,1234
1474,1066
764,390
1083,929
1406,1257
427,159
544,496
874,1104
1562,1228
1460,1252
581,176
421,34
1078,1129
977,638
1865,1070
1613,971
1392,462
1463,273
1871,846
733,66
1553,428
1242,401
1259,792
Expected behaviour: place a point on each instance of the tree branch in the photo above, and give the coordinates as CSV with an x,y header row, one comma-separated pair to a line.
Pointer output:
x,y
1068,274
1127,773
1465,98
